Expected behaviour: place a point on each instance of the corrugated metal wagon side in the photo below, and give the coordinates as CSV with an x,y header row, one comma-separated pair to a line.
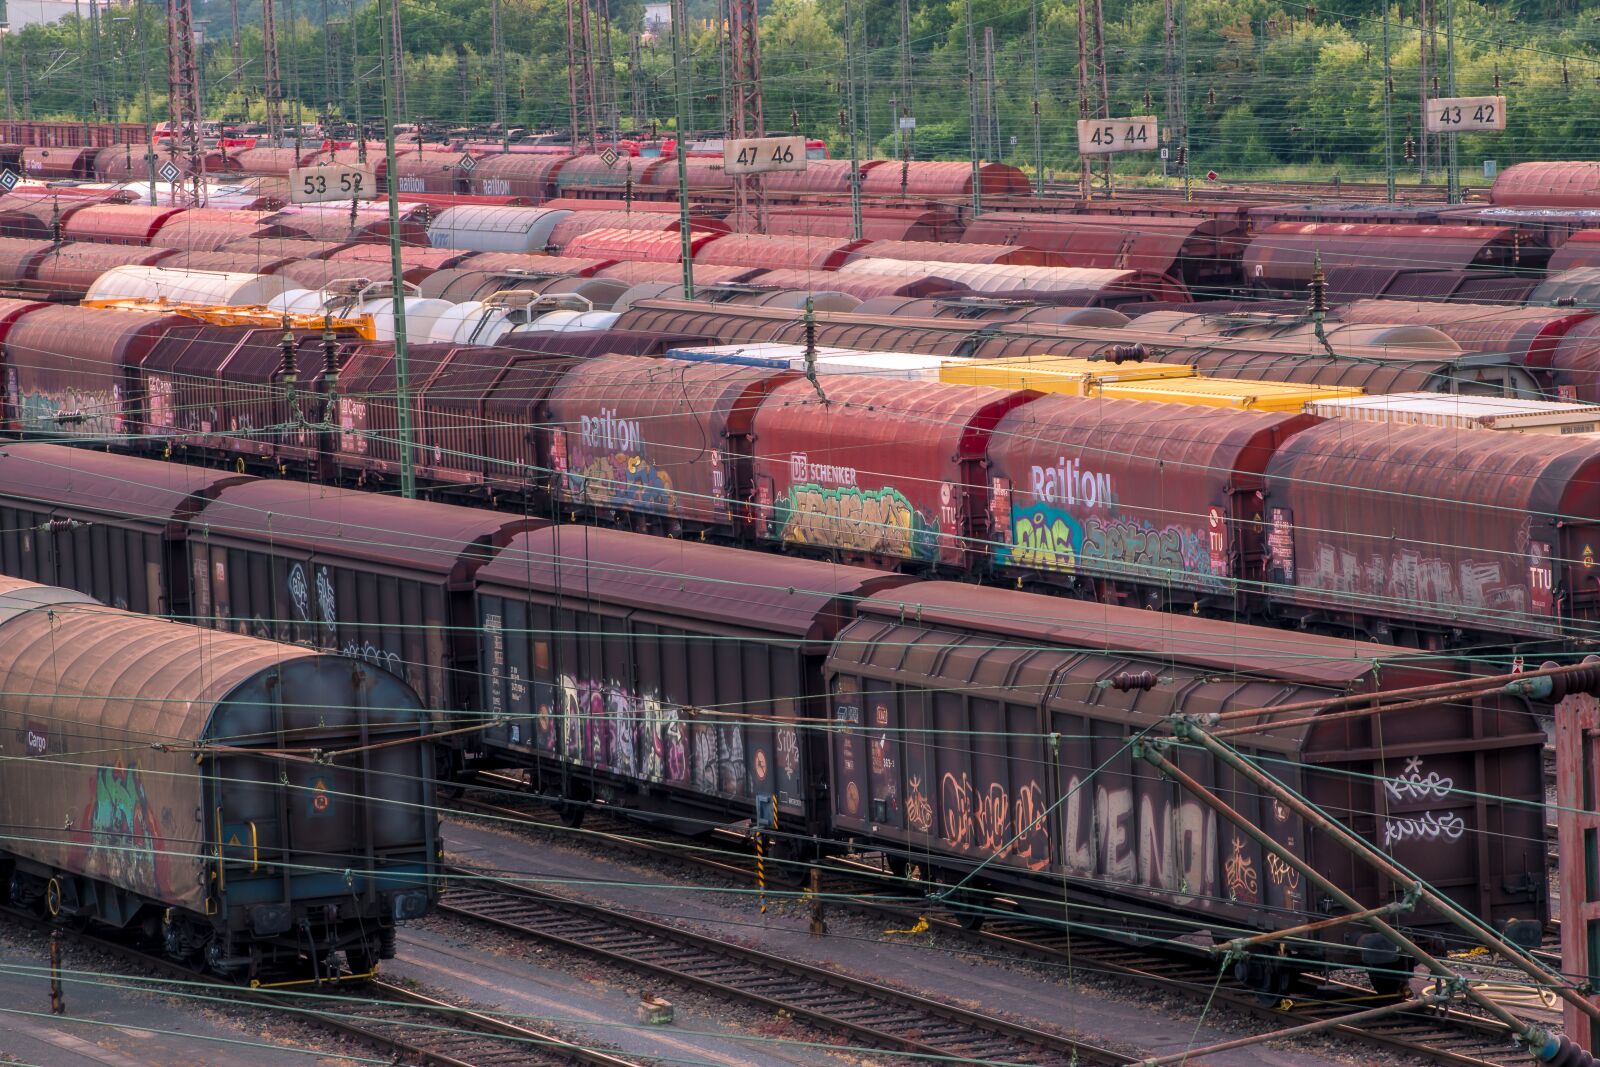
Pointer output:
x,y
1367,524
108,526
980,726
373,577
662,673
875,469
1152,505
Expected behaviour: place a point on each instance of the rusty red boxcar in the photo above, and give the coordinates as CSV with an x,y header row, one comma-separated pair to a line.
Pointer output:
x,y
877,469
667,439
1367,525
663,674
979,728
1104,494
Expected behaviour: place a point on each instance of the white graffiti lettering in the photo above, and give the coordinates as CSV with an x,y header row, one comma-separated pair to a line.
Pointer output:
x,y
370,653
300,592
1067,483
608,432
1411,784
1427,827
1112,811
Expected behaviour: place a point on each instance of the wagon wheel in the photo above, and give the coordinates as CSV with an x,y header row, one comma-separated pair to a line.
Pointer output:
x,y
571,812
1393,980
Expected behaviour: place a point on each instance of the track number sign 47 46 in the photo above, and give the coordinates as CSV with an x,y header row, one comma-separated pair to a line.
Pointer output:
x,y
318,185
1462,114
759,155
1098,137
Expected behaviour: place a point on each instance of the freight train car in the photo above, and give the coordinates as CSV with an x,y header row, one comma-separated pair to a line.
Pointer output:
x,y
195,815
973,734
994,732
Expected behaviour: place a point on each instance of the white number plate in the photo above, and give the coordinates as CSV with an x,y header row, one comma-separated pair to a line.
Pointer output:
x,y
1098,137
319,185
758,155
1459,114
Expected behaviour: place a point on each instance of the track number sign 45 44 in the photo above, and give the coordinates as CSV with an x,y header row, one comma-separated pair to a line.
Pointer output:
x,y
1462,114
1098,137
318,185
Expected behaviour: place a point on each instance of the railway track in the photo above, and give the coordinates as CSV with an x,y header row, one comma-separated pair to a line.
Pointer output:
x,y
415,1028
866,1012
1451,1038
408,1025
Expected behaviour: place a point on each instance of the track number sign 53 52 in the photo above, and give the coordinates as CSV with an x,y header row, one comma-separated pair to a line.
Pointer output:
x,y
318,185
759,155
1460,114
1098,137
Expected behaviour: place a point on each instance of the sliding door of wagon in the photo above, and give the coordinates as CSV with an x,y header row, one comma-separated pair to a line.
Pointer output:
x,y
988,779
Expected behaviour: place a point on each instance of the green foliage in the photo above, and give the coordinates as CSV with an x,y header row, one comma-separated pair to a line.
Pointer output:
x,y
1264,83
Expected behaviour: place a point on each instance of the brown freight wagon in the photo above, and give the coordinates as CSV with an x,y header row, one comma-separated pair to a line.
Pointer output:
x,y
663,674
877,469
375,578
159,798
977,731
105,525
1366,524
1155,505
219,391
73,371
665,438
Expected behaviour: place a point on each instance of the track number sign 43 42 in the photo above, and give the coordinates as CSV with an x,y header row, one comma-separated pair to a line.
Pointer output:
x,y
1461,114
759,155
1098,137
318,185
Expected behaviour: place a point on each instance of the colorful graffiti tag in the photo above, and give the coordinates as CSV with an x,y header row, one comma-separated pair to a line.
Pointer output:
x,y
1049,539
880,522
1406,576
124,836
642,736
995,820
1044,538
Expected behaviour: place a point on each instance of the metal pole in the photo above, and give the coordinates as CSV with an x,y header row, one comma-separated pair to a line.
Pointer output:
x,y
1453,181
356,77
402,375
905,78
84,104
1183,94
894,110
572,73
680,87
144,102
1083,93
1388,111
1422,91
498,60
1105,87
1359,847
1038,128
991,119
972,114
1149,753
849,115
724,41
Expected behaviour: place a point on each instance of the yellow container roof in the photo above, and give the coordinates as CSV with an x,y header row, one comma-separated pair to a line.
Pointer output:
x,y
1054,374
1240,393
